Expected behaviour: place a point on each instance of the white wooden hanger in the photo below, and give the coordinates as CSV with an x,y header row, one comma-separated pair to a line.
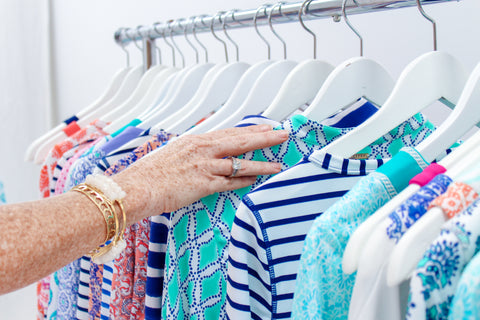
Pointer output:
x,y
154,94
264,89
140,91
173,82
245,85
412,245
109,92
302,83
235,100
211,96
185,91
353,79
128,85
431,77
188,86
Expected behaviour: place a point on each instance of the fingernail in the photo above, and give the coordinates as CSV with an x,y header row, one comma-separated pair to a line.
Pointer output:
x,y
281,133
265,127
277,166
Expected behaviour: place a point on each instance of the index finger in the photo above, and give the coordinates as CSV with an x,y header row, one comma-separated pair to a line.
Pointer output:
x,y
239,144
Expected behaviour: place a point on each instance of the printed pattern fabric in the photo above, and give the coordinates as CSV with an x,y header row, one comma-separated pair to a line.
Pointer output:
x,y
458,196
415,207
199,234
436,278
322,290
130,269
43,297
465,301
90,133
70,157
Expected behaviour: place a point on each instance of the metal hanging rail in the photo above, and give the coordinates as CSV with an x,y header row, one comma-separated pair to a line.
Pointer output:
x,y
244,18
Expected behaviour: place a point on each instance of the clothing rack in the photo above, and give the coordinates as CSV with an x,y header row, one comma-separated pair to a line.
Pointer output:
x,y
287,12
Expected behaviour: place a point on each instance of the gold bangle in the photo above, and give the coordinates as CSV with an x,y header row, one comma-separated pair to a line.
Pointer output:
x,y
106,195
103,204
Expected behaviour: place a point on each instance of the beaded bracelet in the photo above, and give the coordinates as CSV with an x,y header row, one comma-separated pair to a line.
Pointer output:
x,y
106,195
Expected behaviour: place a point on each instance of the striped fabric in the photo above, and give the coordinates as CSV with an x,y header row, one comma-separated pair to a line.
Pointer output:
x,y
271,224
270,227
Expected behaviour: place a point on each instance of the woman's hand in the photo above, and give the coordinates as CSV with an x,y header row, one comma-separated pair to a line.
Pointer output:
x,y
193,167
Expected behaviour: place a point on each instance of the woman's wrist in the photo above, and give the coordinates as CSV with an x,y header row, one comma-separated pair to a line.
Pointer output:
x,y
138,199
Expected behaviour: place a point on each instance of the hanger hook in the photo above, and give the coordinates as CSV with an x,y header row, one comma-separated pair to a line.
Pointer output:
x,y
194,31
133,38
301,12
219,15
279,5
122,46
185,29
137,29
170,29
157,49
264,7
224,26
165,39
434,24
344,14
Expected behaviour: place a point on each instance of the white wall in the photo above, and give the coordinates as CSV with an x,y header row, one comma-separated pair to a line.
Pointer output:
x,y
24,101
85,56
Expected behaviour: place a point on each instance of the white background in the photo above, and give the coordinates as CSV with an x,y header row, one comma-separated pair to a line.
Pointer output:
x,y
52,75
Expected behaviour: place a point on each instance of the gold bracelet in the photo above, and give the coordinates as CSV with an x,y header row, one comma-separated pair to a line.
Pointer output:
x,y
103,204
105,193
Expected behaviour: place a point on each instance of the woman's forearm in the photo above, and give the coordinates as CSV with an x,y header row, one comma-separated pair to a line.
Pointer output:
x,y
40,237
